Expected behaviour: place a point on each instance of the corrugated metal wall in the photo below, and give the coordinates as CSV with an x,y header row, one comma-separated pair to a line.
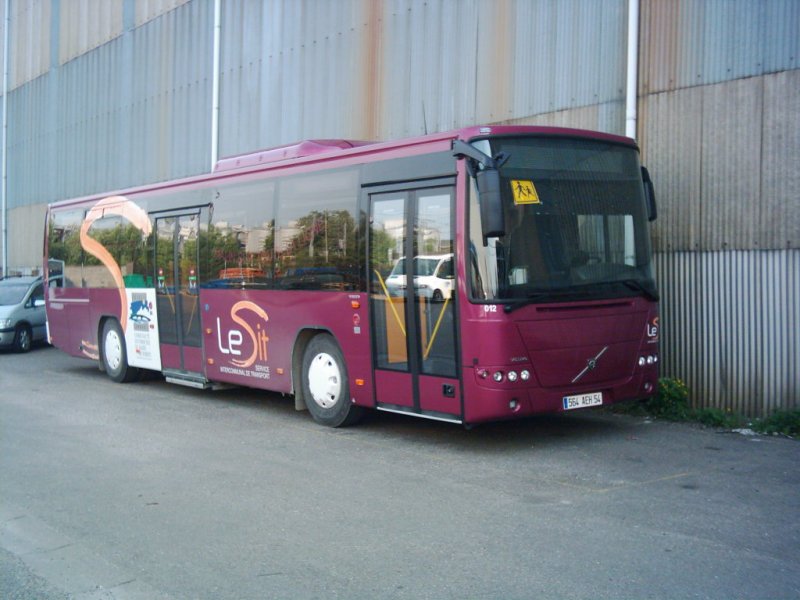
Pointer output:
x,y
29,56
383,70
720,131
116,93
687,43
87,24
730,322
113,93
721,157
135,109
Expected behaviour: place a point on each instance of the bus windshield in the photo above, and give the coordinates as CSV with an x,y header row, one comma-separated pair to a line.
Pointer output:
x,y
575,224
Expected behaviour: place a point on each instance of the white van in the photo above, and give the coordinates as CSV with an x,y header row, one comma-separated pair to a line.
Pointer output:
x,y
434,277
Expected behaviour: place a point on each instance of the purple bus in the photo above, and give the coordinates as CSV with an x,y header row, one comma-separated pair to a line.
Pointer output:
x,y
519,259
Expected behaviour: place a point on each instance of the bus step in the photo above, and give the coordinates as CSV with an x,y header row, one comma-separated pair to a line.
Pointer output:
x,y
193,380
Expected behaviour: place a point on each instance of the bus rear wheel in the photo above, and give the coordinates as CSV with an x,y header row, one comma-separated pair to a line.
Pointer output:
x,y
114,355
326,387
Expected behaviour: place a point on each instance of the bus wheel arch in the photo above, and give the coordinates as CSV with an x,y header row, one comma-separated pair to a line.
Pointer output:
x,y
324,384
300,343
113,353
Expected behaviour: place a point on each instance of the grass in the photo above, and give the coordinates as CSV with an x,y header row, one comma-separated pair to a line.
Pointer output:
x,y
671,403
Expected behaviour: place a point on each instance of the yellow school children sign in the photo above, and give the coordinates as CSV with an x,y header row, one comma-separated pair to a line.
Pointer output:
x,y
524,192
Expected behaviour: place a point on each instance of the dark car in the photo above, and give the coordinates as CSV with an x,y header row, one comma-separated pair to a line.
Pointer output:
x,y
22,315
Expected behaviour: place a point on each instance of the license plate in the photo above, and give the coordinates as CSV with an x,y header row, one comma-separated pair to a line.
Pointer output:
x,y
583,400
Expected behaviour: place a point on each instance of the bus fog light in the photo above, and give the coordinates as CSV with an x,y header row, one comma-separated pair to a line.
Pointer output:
x,y
513,404
648,387
483,373
512,375
525,375
498,376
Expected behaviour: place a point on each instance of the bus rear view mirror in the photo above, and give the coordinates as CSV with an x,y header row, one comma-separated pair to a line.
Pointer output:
x,y
491,201
650,195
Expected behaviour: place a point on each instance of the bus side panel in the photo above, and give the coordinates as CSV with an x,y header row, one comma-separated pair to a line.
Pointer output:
x,y
249,335
68,321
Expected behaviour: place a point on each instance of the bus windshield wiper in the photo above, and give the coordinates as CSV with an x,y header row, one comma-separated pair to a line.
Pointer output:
x,y
580,290
636,285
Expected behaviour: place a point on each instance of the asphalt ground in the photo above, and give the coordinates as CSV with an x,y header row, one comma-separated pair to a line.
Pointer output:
x,y
149,490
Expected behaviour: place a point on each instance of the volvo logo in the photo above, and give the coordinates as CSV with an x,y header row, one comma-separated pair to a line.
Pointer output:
x,y
591,364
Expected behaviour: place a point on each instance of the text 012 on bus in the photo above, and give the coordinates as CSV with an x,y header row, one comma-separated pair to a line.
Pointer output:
x,y
519,259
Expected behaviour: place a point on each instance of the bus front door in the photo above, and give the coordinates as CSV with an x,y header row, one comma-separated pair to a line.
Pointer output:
x,y
176,275
412,301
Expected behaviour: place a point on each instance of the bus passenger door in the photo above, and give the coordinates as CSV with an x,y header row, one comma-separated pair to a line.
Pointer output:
x,y
412,300
176,274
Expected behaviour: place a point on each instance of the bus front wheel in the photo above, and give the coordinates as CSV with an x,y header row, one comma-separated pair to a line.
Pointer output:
x,y
114,354
326,387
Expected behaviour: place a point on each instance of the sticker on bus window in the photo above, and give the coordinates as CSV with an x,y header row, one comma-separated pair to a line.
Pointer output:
x,y
524,192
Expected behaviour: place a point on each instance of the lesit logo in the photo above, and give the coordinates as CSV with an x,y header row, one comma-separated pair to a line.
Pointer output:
x,y
235,338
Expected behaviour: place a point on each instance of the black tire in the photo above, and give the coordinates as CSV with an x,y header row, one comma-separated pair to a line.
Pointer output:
x,y
438,296
22,338
326,386
114,355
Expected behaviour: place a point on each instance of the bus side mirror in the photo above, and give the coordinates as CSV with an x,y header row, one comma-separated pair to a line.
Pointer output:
x,y
649,195
491,202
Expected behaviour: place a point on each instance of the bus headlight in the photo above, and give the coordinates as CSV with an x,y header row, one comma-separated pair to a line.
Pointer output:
x,y
525,375
512,376
648,359
498,376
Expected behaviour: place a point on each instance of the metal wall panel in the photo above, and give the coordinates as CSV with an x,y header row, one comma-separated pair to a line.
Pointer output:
x,y
566,54
731,327
698,42
364,69
147,10
780,151
29,55
730,154
671,138
608,117
290,71
132,111
29,220
86,24
2,35
720,157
